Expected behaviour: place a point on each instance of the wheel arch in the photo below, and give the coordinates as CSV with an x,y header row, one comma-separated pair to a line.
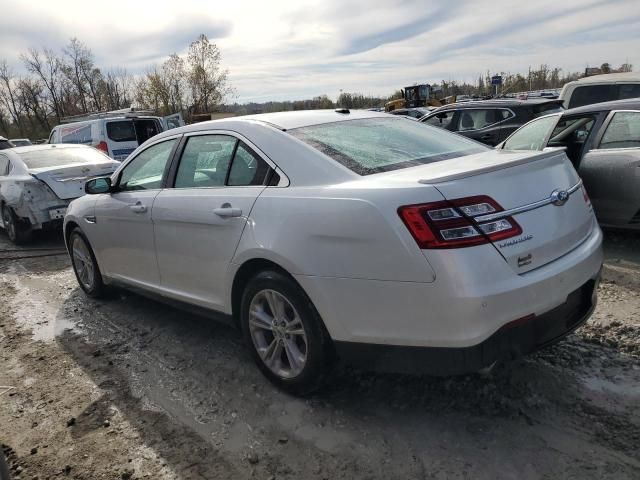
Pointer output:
x,y
244,274
68,228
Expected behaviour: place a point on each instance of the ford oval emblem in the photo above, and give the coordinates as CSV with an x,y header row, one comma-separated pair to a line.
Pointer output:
x,y
559,197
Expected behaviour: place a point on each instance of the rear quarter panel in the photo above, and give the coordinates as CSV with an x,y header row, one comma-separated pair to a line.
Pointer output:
x,y
337,233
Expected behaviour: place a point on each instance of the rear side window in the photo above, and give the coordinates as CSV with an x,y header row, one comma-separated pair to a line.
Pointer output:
x,y
121,131
475,119
374,145
628,90
75,134
590,94
205,161
247,168
623,131
532,135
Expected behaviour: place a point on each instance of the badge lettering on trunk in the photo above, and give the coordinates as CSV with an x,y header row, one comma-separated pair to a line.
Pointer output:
x,y
526,260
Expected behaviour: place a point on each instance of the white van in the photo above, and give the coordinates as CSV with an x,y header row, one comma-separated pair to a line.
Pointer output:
x,y
600,88
115,133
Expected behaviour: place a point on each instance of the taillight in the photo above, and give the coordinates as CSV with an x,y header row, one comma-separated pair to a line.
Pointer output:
x,y
453,224
103,147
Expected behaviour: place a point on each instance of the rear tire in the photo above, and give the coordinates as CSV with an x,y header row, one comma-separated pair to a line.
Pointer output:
x,y
85,265
18,232
285,333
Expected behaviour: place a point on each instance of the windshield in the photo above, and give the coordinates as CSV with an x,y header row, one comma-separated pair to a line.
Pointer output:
x,y
56,157
376,145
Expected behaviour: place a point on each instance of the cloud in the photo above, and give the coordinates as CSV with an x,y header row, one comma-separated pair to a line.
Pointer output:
x,y
287,50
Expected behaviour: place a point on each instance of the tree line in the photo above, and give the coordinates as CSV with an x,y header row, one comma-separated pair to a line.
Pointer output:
x,y
64,83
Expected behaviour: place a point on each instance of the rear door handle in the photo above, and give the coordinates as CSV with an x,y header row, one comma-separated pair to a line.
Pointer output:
x,y
227,212
138,208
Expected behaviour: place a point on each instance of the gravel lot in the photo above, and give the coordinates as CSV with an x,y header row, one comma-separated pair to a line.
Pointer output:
x,y
129,388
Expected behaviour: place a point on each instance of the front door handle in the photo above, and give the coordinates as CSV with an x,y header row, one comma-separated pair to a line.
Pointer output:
x,y
138,208
227,211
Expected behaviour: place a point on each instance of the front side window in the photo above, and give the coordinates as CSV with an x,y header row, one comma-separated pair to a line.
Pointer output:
x,y
442,119
373,145
623,131
532,135
205,161
146,170
574,130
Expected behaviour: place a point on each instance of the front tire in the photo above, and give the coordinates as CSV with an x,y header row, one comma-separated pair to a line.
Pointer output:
x,y
85,265
285,333
17,231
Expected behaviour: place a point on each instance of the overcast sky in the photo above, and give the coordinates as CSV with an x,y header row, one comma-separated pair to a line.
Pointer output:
x,y
281,49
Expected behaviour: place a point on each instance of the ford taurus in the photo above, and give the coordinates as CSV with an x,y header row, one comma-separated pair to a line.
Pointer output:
x,y
352,235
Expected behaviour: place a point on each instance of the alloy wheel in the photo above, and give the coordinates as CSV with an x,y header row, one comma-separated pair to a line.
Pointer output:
x,y
9,224
83,262
278,333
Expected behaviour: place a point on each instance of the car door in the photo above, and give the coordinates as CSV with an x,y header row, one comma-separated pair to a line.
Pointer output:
x,y
611,170
123,234
199,222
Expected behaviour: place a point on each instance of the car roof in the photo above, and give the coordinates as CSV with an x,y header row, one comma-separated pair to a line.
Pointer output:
x,y
499,102
281,120
609,77
626,104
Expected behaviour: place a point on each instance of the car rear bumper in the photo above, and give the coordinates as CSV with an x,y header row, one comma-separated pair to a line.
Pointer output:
x,y
513,340
472,298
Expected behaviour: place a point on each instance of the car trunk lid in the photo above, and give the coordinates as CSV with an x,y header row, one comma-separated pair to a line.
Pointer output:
x,y
67,181
523,185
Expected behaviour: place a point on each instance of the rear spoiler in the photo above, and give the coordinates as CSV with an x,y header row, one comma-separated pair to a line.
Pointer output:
x,y
447,175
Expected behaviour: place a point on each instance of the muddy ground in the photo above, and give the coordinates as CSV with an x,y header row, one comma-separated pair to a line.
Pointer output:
x,y
128,388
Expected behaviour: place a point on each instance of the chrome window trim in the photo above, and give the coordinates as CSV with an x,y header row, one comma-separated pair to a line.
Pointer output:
x,y
525,208
284,180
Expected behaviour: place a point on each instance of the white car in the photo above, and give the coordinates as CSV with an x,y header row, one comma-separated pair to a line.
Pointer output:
x,y
388,243
38,182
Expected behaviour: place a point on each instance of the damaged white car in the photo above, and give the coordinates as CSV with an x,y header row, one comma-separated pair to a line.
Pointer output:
x,y
38,182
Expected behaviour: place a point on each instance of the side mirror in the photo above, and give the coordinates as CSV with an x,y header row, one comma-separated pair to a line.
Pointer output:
x,y
98,185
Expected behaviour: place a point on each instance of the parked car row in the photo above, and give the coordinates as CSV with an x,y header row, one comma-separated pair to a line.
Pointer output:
x,y
489,121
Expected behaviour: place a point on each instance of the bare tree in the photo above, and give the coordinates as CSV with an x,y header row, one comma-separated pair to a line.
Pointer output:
x,y
208,81
48,68
8,95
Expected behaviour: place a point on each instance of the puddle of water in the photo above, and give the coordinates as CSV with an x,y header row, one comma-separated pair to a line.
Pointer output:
x,y
38,303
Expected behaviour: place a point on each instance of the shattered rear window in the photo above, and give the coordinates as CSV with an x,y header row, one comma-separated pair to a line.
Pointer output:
x,y
56,157
375,145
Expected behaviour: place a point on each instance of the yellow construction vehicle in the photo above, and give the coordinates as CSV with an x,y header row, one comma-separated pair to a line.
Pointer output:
x,y
416,96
